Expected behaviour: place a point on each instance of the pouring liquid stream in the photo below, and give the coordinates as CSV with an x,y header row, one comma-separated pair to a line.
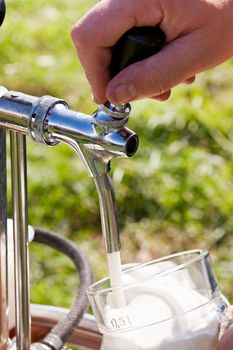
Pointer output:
x,y
115,276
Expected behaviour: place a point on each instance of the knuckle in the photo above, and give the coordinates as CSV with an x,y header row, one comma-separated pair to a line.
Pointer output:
x,y
79,35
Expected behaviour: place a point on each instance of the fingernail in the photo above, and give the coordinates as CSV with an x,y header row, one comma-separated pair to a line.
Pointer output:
x,y
97,100
93,98
123,93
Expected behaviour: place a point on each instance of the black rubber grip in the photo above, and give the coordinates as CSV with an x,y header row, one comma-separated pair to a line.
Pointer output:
x,y
136,45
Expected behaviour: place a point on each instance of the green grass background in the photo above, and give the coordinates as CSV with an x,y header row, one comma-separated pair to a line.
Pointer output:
x,y
176,193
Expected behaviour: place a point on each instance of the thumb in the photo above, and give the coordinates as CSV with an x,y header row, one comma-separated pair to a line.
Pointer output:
x,y
177,62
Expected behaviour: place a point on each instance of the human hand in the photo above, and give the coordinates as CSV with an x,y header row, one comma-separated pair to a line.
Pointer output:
x,y
199,36
226,342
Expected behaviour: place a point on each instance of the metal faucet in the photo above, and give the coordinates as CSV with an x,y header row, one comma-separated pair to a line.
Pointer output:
x,y
95,138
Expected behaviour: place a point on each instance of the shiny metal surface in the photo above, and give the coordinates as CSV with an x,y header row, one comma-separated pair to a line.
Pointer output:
x,y
3,90
3,244
49,120
115,111
101,118
96,147
37,119
93,143
15,109
96,139
108,213
20,224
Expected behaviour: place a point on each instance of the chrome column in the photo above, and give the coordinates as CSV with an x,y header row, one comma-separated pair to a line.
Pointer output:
x,y
3,244
108,212
19,194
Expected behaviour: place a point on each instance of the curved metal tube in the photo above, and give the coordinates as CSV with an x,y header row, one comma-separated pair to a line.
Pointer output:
x,y
96,139
108,210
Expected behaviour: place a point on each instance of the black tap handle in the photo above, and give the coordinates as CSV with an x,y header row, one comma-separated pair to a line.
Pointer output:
x,y
135,45
2,11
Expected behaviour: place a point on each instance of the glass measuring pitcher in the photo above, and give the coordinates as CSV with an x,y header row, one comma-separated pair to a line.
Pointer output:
x,y
173,303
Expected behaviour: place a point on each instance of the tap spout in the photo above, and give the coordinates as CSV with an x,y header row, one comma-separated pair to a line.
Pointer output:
x,y
95,144
108,213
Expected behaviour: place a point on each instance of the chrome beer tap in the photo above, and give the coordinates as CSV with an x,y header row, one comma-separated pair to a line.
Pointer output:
x,y
96,138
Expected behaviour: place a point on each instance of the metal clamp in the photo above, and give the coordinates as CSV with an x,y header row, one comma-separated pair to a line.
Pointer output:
x,y
116,111
37,128
112,116
111,123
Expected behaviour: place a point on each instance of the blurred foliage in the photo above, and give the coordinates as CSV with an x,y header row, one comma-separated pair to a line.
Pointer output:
x,y
175,194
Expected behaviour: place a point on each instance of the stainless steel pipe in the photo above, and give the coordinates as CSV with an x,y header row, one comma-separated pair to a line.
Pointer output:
x,y
3,244
108,213
15,109
48,120
20,228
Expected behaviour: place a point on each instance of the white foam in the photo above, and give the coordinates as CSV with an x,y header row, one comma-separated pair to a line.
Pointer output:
x,y
197,330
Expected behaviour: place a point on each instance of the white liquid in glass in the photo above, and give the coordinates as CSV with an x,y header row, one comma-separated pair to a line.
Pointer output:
x,y
163,309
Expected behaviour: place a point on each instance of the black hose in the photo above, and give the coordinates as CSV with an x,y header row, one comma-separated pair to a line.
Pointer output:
x,y
61,332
